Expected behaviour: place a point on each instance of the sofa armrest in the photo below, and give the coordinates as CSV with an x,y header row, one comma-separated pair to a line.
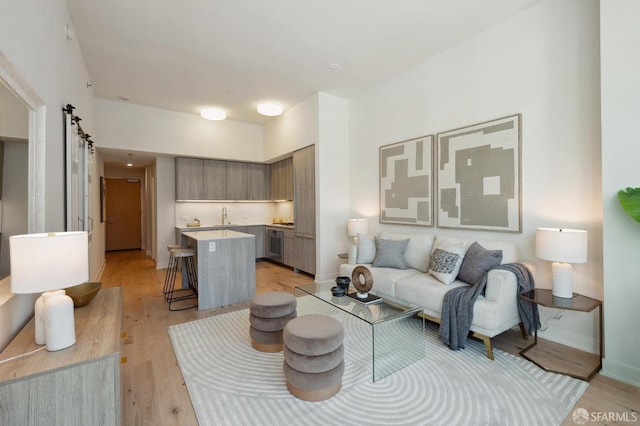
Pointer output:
x,y
502,286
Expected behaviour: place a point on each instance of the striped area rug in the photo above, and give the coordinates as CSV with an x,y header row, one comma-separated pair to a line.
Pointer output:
x,y
230,383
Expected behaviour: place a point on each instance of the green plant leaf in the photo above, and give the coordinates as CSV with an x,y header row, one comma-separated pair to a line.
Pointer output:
x,y
630,201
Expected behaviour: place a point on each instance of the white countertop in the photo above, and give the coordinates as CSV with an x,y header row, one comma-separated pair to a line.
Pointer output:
x,y
219,234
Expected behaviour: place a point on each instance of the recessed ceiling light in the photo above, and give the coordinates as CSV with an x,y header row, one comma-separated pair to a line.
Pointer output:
x,y
334,66
213,114
269,108
124,98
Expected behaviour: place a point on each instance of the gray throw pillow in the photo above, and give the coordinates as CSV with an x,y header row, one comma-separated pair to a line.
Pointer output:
x,y
477,262
390,253
366,249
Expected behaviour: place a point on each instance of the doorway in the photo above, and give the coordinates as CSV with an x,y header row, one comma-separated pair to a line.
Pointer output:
x,y
123,204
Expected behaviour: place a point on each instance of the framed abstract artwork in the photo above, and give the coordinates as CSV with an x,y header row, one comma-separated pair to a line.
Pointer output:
x,y
478,176
406,182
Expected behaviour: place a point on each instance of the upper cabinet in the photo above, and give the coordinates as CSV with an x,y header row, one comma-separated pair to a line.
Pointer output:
x,y
281,180
189,179
215,180
206,180
257,185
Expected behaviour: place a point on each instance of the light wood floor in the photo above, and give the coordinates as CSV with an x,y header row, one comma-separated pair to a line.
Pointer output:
x,y
153,390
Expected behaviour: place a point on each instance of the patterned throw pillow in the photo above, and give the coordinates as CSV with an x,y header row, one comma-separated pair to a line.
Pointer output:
x,y
445,262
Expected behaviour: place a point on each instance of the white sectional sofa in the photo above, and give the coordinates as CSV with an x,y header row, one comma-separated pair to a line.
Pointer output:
x,y
493,313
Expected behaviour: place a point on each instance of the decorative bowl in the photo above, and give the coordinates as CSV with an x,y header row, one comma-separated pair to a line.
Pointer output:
x,y
82,294
343,282
337,291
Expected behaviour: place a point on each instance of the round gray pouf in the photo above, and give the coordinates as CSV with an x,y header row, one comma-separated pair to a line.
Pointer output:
x,y
269,313
313,357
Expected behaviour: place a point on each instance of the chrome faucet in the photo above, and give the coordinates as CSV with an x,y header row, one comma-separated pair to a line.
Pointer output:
x,y
224,215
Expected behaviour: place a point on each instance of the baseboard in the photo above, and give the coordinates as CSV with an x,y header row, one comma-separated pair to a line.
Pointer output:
x,y
621,372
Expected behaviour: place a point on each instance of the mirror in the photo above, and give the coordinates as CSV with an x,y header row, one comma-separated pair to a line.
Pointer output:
x,y
21,185
14,153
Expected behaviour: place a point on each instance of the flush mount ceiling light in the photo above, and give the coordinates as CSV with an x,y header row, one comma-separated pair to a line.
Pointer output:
x,y
269,108
213,114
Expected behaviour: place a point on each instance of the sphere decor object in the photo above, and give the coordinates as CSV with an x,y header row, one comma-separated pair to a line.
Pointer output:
x,y
362,280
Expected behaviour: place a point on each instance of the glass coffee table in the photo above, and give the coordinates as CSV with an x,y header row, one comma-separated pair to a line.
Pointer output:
x,y
396,336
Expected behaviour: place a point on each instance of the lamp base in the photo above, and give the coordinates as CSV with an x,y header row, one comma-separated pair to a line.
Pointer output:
x,y
562,280
59,321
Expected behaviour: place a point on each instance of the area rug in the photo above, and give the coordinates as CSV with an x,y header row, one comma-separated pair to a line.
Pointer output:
x,y
230,383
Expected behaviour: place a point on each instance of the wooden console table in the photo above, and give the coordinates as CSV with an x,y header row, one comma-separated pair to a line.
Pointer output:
x,y
79,385
552,356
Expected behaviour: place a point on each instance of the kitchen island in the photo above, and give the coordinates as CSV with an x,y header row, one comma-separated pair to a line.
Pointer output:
x,y
226,266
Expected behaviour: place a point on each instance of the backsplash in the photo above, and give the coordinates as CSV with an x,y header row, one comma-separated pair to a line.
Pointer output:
x,y
242,213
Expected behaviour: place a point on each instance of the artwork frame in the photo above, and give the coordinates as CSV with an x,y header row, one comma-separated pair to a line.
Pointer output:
x,y
478,176
406,182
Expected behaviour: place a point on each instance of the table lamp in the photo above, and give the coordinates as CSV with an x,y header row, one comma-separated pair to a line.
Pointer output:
x,y
355,227
45,263
562,247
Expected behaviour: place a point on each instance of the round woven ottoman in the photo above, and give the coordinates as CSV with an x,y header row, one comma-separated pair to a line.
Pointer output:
x,y
313,357
269,313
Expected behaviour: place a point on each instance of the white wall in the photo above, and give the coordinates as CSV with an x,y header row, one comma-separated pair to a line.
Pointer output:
x,y
543,63
620,63
14,115
332,191
294,129
122,125
33,38
165,194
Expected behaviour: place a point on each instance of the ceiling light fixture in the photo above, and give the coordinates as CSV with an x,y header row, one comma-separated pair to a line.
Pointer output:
x,y
270,108
213,114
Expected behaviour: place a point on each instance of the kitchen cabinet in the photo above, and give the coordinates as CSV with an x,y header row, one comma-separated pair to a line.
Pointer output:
x,y
304,255
289,247
211,180
236,180
281,180
257,188
304,207
215,180
259,232
189,178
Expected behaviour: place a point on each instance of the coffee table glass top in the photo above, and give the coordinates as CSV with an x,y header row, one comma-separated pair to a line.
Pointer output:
x,y
396,336
388,308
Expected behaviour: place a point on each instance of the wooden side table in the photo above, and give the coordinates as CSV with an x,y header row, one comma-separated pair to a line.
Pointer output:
x,y
552,356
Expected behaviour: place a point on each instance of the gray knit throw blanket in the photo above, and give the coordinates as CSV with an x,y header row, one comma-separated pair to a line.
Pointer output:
x,y
457,307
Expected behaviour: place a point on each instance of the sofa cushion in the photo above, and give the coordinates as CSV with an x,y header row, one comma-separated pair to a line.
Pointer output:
x,y
366,249
384,279
446,260
418,250
390,253
477,262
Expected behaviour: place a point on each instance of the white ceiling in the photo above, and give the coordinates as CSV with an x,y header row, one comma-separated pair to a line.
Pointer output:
x,y
184,55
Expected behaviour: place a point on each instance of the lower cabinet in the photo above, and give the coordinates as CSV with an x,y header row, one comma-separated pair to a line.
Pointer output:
x,y
258,231
305,254
289,247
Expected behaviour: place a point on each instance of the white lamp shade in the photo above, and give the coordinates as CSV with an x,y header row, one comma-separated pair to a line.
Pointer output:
x,y
561,245
48,261
357,226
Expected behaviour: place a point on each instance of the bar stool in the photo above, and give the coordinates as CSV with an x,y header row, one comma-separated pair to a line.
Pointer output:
x,y
172,269
184,257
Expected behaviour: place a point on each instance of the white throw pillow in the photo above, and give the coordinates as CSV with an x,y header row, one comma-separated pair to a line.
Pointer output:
x,y
366,249
446,260
418,251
